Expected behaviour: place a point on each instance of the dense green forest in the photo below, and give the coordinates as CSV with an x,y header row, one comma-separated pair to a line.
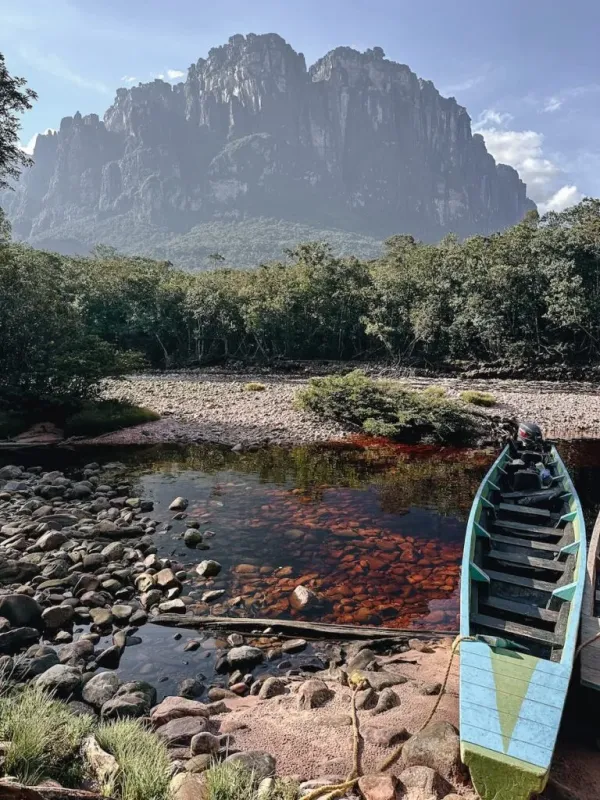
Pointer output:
x,y
528,295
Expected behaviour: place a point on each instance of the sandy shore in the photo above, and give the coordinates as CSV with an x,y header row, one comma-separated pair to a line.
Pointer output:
x,y
213,407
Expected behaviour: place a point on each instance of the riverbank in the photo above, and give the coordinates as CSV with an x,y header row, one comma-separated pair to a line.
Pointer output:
x,y
212,406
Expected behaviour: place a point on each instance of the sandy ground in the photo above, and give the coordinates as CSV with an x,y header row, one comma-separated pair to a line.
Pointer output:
x,y
213,407
318,743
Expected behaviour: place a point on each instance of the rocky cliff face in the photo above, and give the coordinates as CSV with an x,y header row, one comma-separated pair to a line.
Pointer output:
x,y
356,143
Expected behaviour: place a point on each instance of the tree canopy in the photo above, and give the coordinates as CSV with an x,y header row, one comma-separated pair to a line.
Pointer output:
x,y
15,98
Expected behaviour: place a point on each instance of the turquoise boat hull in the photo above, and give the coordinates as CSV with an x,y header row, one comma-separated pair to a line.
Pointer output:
x,y
512,689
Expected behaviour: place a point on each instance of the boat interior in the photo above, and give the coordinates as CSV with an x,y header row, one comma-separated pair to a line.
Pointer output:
x,y
526,547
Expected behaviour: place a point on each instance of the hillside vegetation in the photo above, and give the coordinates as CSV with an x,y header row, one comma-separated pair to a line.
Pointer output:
x,y
529,295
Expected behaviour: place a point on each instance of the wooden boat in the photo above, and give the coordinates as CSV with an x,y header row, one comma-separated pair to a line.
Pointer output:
x,y
590,615
521,594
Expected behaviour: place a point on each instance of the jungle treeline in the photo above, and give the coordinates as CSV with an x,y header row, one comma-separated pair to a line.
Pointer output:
x,y
527,295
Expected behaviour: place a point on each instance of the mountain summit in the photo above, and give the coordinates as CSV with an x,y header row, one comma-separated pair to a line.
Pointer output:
x,y
355,147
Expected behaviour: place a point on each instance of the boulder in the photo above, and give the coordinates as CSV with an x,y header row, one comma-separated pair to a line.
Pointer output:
x,y
271,688
244,656
125,706
303,599
175,707
426,779
101,688
378,680
109,658
192,537
139,687
437,747
176,606
261,764
199,763
205,743
387,699
208,568
166,579
314,694
57,616
82,648
180,732
379,787
188,786
179,504
16,639
385,736
51,540
102,765
191,688
21,610
60,679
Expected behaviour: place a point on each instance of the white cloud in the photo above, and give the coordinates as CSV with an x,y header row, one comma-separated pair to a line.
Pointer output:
x,y
566,196
128,79
169,75
557,100
524,150
30,146
491,117
54,65
553,104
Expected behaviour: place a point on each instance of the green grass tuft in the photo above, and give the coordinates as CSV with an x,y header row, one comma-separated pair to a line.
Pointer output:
x,y
478,398
435,391
230,782
103,416
44,737
145,766
254,386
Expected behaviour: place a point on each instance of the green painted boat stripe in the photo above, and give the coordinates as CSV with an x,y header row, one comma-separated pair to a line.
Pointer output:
x,y
554,679
514,707
477,574
568,517
483,677
481,531
573,547
566,592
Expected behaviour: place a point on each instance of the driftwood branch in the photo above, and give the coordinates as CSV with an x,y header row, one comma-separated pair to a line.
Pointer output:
x,y
17,791
288,627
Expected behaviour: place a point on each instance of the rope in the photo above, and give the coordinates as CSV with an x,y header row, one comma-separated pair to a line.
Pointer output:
x,y
334,791
585,644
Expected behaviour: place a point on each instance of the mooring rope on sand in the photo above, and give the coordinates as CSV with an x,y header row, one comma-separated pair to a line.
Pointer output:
x,y
333,791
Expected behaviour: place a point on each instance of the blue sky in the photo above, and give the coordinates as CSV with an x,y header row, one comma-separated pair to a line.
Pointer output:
x,y
526,70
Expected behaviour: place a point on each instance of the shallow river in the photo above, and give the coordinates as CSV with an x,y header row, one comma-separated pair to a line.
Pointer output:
x,y
375,529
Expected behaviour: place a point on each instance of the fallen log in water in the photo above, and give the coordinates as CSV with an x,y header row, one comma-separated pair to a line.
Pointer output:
x,y
17,791
288,627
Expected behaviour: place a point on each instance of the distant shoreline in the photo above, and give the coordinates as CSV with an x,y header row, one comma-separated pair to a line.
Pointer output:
x,y
209,405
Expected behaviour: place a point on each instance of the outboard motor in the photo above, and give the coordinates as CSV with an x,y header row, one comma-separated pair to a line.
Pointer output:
x,y
529,450
530,435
